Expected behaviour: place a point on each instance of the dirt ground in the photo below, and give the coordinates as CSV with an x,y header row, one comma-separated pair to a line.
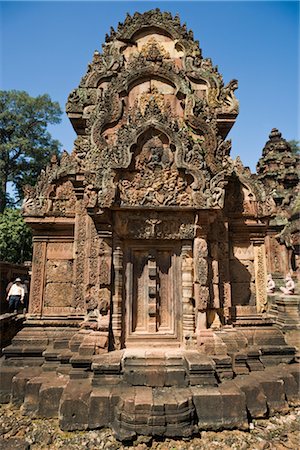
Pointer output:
x,y
19,432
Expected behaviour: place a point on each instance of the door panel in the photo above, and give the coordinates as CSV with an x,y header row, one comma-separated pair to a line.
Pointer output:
x,y
152,292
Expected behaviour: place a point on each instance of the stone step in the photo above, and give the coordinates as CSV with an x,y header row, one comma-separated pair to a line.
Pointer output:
x,y
175,411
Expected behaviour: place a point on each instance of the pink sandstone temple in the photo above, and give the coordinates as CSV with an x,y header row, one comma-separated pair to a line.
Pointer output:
x,y
149,309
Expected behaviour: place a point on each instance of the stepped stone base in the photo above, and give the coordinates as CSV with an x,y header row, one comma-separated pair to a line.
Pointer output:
x,y
159,392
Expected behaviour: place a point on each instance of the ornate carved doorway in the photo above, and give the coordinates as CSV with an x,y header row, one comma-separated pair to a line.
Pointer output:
x,y
152,293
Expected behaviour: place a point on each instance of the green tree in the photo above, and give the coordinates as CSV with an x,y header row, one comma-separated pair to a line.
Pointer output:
x,y
25,144
295,146
15,237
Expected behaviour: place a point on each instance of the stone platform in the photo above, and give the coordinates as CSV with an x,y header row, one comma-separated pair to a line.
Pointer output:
x,y
171,392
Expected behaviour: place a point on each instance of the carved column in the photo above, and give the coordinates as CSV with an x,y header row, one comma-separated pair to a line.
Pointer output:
x,y
216,302
38,277
80,235
188,314
92,245
105,269
260,268
152,293
201,282
225,274
117,294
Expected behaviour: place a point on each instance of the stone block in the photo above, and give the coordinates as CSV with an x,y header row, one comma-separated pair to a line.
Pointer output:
x,y
291,390
108,363
274,392
200,369
256,400
59,251
50,395
100,414
223,367
290,385
294,369
253,360
135,377
239,364
288,317
58,295
75,405
106,380
19,383
6,376
175,377
208,405
234,407
155,377
59,271
61,343
124,423
220,408
272,355
32,389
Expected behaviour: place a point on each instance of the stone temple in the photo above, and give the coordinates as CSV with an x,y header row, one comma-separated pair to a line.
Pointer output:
x,y
149,310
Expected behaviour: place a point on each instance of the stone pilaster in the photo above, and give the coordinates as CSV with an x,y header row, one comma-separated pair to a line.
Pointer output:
x,y
188,311
201,287
38,277
117,294
225,275
104,271
260,269
80,236
152,294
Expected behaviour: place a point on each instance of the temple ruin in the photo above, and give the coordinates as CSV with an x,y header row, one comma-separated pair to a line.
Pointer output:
x,y
149,310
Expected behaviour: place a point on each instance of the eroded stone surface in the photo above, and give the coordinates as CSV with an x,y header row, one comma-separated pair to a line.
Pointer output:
x,y
148,310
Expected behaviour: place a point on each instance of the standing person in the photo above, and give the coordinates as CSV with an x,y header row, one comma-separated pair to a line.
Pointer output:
x,y
26,292
15,295
9,286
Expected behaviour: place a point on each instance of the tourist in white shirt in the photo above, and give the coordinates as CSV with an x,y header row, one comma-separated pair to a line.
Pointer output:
x,y
15,295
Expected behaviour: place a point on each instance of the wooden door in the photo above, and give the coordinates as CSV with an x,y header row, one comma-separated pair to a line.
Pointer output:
x,y
153,289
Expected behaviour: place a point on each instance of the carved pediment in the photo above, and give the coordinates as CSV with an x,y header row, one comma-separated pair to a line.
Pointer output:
x,y
151,76
153,178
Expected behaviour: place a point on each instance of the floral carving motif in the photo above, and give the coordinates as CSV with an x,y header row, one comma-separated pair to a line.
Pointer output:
x,y
153,51
154,225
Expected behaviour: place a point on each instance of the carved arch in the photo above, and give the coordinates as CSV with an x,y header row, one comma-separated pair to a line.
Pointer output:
x,y
150,70
136,134
241,196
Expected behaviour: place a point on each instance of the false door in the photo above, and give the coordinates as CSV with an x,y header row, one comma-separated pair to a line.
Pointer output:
x,y
153,290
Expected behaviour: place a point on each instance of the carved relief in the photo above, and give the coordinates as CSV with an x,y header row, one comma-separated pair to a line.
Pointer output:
x,y
58,295
260,277
201,273
152,117
152,95
37,283
60,250
154,225
154,51
188,312
155,181
80,259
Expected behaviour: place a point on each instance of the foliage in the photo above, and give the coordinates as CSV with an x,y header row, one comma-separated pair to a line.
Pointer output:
x,y
295,146
25,144
15,237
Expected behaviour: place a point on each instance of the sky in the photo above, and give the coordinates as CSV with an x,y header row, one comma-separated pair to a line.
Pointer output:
x,y
46,47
